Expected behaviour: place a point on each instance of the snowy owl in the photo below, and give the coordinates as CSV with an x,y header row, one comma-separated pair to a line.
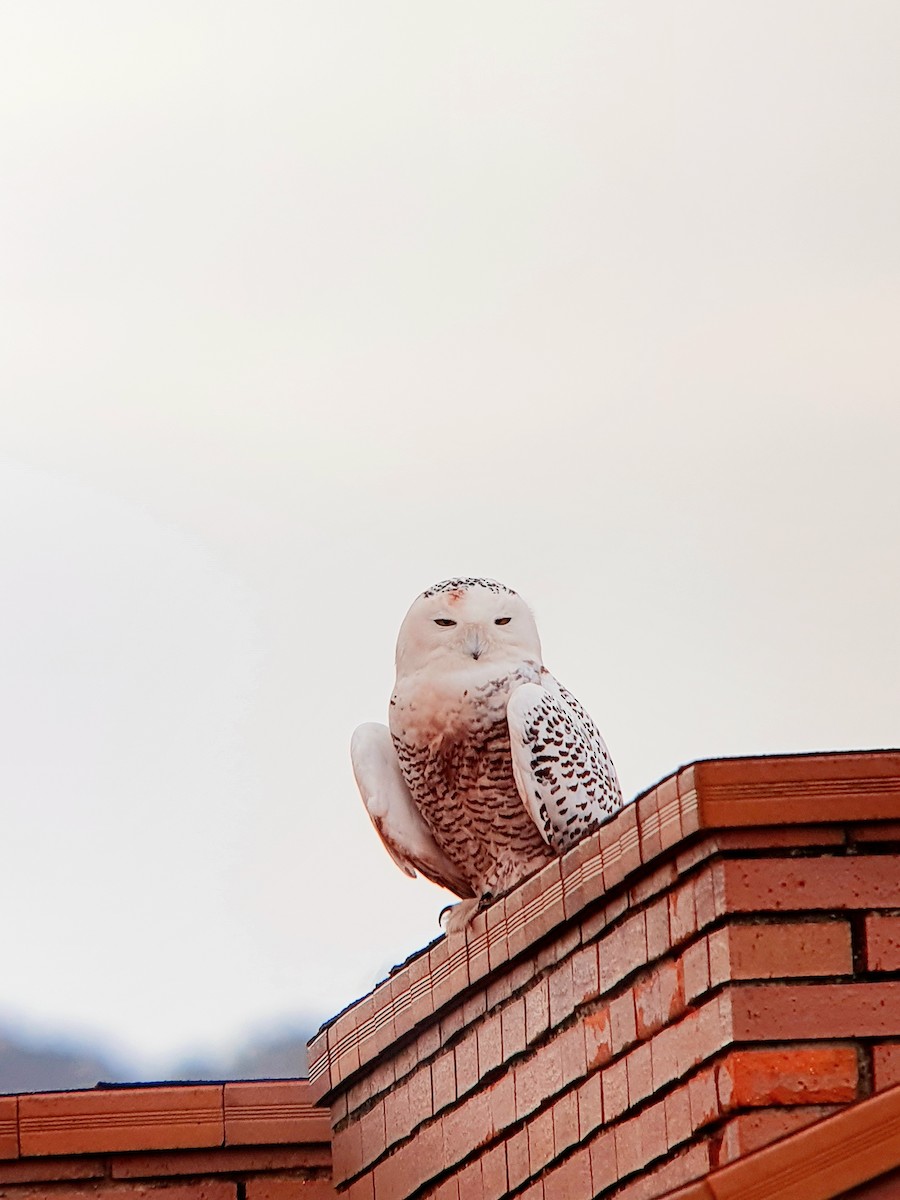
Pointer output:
x,y
490,766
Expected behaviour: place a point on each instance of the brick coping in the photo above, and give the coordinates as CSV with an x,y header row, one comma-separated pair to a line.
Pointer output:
x,y
711,795
821,1162
161,1117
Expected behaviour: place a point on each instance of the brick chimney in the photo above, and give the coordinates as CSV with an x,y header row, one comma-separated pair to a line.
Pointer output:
x,y
715,968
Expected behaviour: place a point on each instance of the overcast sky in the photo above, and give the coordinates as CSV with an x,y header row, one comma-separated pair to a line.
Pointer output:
x,y
306,306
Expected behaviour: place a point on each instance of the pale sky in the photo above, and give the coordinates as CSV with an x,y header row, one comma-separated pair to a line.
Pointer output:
x,y
306,306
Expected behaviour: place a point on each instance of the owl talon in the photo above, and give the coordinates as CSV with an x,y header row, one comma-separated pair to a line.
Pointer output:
x,y
456,918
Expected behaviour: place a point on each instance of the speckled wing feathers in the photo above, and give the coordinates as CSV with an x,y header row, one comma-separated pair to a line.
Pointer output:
x,y
463,785
562,767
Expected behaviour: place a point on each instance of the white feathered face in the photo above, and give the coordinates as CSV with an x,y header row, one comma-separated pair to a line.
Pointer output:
x,y
463,621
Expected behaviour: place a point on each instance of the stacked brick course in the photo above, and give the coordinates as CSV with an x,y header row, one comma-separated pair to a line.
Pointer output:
x,y
233,1141
716,967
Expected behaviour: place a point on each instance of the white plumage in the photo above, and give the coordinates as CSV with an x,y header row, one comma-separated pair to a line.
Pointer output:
x,y
490,766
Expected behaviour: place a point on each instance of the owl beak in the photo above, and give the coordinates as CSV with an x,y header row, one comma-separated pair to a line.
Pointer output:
x,y
474,645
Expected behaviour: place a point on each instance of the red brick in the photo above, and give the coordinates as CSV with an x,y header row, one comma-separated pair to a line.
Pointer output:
x,y
537,1078
502,1099
658,939
615,1090
582,875
883,942
512,1027
572,1178
428,1041
537,1011
771,837
665,1051
448,965
653,1132
640,1074
517,1158
692,1163
468,1127
687,1043
650,883
678,1116
875,831
670,831
362,1189
474,1006
630,1155
793,789
493,1173
221,1160
510,980
498,943
565,1122
828,883
695,965
706,1031
156,1118
420,1105
585,974
682,913
398,1118
604,1166
648,824
470,1181
9,1127
590,1106
372,1132
703,1098
886,1065
534,1192
799,1075
543,908
490,1045
50,1170
466,1055
207,1189
597,1038
573,1061
284,1187
705,886
540,1141
789,950
443,1081
620,846
448,1190
622,1021
347,1152
659,998
557,948
562,1001
825,1010
451,1023
718,946
746,1132
623,950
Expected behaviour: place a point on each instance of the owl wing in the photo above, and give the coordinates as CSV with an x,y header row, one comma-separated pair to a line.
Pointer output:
x,y
561,765
406,837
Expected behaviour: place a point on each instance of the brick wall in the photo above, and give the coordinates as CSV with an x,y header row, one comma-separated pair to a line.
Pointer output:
x,y
233,1141
718,966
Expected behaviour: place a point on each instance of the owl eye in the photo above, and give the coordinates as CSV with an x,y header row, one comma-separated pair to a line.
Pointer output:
x,y
445,621
502,620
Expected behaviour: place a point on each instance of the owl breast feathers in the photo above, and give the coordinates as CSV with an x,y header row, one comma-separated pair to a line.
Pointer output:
x,y
490,766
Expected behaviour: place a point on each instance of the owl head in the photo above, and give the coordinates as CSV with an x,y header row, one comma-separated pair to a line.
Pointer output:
x,y
460,622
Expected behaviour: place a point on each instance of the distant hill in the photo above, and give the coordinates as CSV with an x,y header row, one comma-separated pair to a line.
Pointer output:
x,y
29,1068
28,1065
